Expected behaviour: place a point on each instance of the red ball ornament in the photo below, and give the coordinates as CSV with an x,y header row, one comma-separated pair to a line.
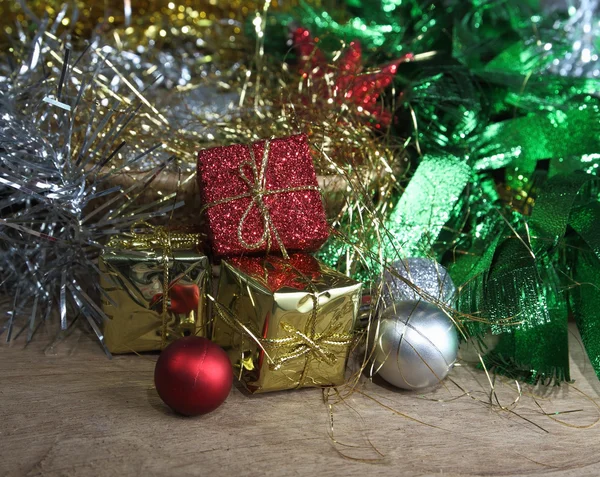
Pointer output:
x,y
193,376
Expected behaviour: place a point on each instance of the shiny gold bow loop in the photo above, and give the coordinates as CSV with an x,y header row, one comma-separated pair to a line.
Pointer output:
x,y
158,239
257,190
299,344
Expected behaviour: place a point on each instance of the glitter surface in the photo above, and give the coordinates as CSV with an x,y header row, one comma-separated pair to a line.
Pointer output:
x,y
351,85
296,217
422,279
276,273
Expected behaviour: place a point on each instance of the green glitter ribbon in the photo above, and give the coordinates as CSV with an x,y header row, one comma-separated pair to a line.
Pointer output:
x,y
520,143
585,221
530,273
517,144
425,206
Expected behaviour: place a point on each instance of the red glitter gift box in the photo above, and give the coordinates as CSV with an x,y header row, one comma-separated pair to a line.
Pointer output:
x,y
262,197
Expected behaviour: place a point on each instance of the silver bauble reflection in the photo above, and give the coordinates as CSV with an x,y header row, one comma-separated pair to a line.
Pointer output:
x,y
424,273
414,346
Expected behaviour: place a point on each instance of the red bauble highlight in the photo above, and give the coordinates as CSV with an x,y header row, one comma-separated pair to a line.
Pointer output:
x,y
193,376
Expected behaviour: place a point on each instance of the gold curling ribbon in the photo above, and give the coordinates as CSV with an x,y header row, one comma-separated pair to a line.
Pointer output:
x,y
297,344
158,238
257,191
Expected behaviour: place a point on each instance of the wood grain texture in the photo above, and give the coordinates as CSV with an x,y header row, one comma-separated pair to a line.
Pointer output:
x,y
66,410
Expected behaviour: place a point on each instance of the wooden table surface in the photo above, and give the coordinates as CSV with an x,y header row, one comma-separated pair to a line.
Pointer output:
x,y
68,410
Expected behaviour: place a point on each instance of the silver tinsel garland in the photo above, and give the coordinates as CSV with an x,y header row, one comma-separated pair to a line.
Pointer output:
x,y
581,31
63,125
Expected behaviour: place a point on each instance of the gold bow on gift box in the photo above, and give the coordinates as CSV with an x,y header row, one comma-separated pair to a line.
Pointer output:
x,y
295,344
286,337
179,274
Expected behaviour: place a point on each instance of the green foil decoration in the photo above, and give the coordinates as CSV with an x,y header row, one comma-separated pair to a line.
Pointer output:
x,y
385,28
505,153
425,206
530,273
585,221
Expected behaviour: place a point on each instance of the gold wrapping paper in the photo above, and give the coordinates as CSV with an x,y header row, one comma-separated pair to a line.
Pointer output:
x,y
133,280
285,324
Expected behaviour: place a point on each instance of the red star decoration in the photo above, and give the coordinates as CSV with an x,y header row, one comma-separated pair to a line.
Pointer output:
x,y
350,85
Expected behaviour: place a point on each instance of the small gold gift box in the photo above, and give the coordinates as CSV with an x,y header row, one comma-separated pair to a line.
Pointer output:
x,y
134,275
285,324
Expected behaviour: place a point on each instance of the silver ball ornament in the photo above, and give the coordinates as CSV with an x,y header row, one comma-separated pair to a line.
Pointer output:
x,y
414,345
426,274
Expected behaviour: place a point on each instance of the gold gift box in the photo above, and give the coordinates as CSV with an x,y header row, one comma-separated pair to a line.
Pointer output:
x,y
133,281
285,323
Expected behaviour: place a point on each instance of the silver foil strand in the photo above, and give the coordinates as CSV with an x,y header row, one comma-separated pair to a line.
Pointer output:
x,y
63,125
